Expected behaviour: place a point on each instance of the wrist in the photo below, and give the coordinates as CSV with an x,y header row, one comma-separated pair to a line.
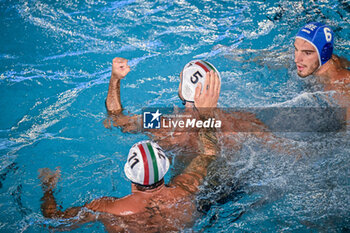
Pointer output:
x,y
114,80
205,112
116,76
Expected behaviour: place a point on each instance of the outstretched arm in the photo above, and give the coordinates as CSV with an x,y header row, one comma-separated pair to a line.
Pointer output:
x,y
49,207
206,103
75,216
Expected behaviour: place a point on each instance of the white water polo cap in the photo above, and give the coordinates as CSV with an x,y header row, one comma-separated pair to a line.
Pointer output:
x,y
147,164
193,73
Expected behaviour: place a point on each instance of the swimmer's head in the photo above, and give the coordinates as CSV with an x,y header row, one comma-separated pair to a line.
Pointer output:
x,y
147,164
313,47
193,73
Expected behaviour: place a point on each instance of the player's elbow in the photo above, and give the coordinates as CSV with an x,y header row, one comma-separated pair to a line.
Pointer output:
x,y
113,108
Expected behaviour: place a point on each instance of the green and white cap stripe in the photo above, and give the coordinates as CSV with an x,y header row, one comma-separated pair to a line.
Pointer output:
x,y
146,164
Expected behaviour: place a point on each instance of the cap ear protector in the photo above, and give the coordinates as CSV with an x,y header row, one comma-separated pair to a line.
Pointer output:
x,y
147,164
193,73
321,37
326,53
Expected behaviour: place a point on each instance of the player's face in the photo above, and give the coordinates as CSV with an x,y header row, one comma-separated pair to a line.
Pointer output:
x,y
305,57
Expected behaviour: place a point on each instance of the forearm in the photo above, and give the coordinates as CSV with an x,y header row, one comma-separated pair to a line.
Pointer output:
x,y
72,216
114,108
194,174
50,209
113,102
49,205
199,165
208,142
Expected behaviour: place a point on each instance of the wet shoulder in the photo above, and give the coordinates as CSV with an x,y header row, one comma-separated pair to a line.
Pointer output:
x,y
118,206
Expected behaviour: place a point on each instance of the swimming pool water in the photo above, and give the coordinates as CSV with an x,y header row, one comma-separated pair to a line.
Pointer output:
x,y
54,72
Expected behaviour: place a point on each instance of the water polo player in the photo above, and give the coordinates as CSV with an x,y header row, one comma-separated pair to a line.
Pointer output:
x,y
314,56
192,81
207,98
314,53
199,88
313,48
152,206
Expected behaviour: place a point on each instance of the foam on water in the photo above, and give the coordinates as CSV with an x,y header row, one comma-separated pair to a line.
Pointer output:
x,y
55,65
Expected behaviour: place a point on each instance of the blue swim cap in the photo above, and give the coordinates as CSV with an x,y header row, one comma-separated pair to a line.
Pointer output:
x,y
321,37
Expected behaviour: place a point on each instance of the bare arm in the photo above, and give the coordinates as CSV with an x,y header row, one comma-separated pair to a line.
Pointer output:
x,y
195,172
120,69
49,207
205,102
249,126
344,63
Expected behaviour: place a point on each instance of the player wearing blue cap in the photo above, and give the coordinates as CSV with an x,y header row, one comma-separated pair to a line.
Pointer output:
x,y
314,56
314,53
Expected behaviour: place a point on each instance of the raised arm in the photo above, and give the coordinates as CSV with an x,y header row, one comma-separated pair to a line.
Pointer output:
x,y
120,69
195,172
205,103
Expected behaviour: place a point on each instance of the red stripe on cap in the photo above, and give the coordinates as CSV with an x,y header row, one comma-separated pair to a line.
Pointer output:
x,y
203,66
145,165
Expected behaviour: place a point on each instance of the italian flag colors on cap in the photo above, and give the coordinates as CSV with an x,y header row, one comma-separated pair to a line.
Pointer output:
x,y
193,73
146,164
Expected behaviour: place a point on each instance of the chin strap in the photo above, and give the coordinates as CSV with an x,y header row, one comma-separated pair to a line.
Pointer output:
x,y
183,100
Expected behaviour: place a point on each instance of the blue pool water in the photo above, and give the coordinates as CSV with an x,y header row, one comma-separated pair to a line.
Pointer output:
x,y
54,72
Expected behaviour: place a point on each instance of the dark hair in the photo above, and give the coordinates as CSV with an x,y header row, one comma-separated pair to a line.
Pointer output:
x,y
141,187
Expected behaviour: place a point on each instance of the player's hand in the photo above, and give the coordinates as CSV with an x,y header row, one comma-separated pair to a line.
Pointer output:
x,y
120,68
211,91
49,178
